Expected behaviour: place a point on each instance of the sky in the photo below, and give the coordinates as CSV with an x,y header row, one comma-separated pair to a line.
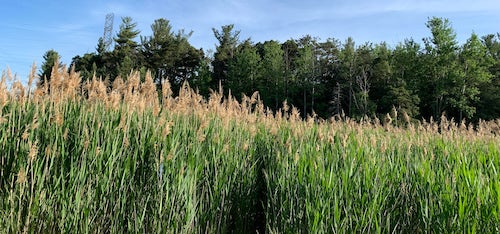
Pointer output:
x,y
29,28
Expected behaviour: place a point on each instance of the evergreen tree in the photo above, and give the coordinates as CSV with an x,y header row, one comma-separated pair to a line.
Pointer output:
x,y
225,52
86,65
101,46
126,55
272,74
125,43
170,56
158,50
51,58
244,70
187,57
105,61
203,76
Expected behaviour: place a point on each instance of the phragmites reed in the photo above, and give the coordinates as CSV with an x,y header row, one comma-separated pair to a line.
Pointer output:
x,y
394,114
33,150
126,157
21,176
387,120
444,124
17,90
96,90
148,88
376,121
166,92
406,118
57,79
32,76
118,85
4,94
133,82
71,87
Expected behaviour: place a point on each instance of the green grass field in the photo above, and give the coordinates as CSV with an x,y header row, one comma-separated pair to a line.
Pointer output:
x,y
86,159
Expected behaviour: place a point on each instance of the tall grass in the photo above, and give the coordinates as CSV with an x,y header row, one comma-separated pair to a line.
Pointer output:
x,y
130,159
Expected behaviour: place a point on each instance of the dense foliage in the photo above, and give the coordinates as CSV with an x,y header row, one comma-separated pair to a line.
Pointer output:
x,y
325,77
88,159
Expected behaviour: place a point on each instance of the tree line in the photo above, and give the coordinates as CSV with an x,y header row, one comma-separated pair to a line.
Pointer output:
x,y
324,77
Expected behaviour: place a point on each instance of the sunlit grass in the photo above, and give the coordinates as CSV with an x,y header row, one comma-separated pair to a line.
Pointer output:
x,y
131,159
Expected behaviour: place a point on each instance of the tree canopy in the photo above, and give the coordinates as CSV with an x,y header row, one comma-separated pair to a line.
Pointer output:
x,y
322,77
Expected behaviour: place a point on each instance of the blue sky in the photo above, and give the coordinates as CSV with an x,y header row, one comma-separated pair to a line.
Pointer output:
x,y
29,28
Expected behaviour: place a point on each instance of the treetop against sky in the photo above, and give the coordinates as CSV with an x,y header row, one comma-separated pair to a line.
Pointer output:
x,y
71,28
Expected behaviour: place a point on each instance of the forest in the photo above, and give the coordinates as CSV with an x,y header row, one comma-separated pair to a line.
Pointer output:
x,y
320,78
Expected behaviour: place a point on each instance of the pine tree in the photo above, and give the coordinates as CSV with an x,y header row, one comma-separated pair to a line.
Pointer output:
x,y
244,70
125,54
272,73
224,53
170,56
51,58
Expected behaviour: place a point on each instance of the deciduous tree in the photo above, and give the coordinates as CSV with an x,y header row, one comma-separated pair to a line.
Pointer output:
x,y
442,67
475,61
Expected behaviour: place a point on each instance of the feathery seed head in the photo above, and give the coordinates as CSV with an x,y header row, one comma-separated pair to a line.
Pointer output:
x,y
21,176
25,134
33,150
32,75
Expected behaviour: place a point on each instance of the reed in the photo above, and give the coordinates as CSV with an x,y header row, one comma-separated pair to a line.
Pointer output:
x,y
82,157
